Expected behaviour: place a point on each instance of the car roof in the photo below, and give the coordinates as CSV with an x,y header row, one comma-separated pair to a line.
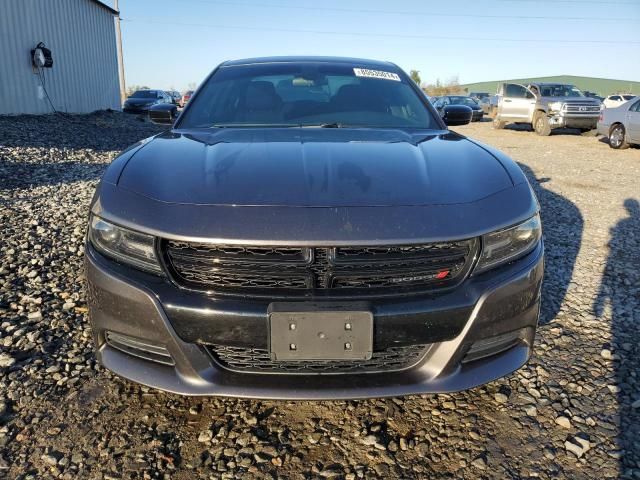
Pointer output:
x,y
309,59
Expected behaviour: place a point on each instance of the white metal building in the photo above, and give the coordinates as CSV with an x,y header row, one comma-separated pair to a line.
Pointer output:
x,y
82,39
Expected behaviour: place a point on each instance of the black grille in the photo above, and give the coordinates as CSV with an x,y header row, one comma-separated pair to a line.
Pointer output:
x,y
300,270
258,360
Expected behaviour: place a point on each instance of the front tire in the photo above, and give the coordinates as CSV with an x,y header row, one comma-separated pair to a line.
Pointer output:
x,y
497,123
617,137
541,124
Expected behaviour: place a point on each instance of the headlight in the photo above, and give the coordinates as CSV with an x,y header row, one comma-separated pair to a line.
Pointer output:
x,y
555,106
124,245
506,245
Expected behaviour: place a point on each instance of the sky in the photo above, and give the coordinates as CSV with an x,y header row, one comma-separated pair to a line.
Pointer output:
x,y
172,44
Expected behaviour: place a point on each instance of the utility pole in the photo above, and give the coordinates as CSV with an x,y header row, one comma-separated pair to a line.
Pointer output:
x,y
123,88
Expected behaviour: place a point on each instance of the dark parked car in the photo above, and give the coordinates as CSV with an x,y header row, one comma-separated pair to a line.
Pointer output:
x,y
141,100
309,228
479,95
175,96
475,107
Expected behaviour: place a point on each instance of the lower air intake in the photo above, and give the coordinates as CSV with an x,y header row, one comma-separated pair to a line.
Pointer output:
x,y
139,348
257,360
493,345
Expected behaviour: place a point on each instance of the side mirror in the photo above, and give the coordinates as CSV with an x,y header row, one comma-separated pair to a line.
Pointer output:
x,y
164,113
456,115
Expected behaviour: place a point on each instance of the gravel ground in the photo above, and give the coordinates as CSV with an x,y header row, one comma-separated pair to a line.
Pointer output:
x,y
572,412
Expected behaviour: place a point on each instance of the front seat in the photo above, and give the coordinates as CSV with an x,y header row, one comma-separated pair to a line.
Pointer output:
x,y
263,104
356,98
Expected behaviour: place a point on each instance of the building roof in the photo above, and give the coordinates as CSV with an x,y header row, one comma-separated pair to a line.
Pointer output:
x,y
104,5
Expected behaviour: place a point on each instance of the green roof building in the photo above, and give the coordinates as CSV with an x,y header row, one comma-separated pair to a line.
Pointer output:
x,y
601,86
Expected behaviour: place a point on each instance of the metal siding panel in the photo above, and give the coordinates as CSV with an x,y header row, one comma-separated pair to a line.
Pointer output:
x,y
11,87
81,36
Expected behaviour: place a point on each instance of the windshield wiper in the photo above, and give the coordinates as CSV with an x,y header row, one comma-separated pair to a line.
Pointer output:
x,y
324,125
251,125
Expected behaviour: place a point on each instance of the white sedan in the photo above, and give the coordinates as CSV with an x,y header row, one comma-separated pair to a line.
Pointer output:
x,y
621,124
613,101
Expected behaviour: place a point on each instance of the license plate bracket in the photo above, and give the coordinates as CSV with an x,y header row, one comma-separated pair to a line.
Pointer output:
x,y
320,332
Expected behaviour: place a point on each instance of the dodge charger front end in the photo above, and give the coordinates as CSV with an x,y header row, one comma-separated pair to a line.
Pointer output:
x,y
309,228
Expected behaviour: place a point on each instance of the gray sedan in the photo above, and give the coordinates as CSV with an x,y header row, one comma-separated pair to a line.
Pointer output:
x,y
621,124
310,228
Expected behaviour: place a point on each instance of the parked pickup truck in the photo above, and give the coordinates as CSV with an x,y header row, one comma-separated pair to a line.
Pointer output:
x,y
546,106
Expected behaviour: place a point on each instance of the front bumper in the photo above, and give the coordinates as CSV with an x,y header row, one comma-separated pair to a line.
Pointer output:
x,y
136,109
603,129
142,306
573,121
477,115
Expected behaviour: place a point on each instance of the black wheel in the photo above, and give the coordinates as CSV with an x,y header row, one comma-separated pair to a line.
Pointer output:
x,y
617,138
541,124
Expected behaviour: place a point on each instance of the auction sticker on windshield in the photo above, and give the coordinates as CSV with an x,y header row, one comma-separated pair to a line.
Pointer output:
x,y
365,72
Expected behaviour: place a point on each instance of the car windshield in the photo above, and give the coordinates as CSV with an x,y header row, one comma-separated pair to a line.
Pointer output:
x,y
145,94
468,101
560,91
628,97
307,94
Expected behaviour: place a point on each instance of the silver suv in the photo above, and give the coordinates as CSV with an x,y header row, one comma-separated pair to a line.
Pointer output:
x,y
546,106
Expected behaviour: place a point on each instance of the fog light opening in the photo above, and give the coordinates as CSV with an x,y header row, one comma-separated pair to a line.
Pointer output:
x,y
139,348
488,347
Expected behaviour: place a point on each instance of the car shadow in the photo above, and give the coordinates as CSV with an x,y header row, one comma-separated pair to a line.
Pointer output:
x,y
568,131
519,127
525,127
562,225
618,302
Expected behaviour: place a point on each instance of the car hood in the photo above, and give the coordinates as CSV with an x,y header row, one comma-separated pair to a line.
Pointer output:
x,y
309,167
581,100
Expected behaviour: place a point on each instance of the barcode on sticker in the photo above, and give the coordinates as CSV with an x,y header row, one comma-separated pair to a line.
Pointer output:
x,y
365,72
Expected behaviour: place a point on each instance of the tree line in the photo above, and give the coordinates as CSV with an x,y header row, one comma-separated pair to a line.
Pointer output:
x,y
438,88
